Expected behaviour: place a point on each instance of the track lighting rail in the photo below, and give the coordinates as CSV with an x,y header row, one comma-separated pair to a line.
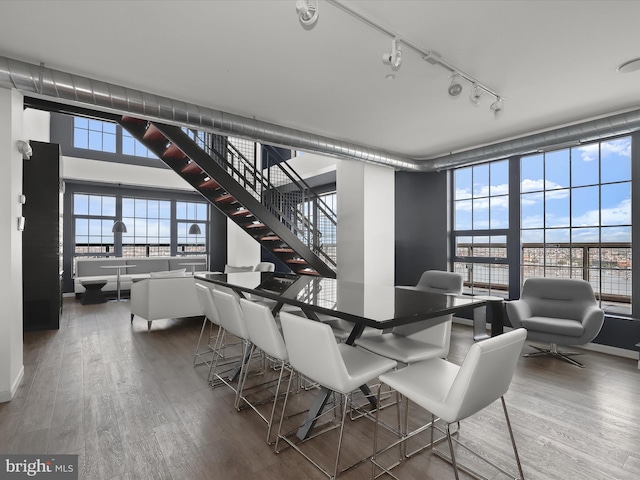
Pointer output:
x,y
429,56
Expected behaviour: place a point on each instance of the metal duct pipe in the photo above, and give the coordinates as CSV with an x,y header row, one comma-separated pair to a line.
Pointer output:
x,y
77,90
619,124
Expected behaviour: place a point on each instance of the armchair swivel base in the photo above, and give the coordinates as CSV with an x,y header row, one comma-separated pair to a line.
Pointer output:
x,y
553,351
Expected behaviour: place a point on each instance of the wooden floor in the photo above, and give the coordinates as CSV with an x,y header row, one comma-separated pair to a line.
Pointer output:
x,y
131,405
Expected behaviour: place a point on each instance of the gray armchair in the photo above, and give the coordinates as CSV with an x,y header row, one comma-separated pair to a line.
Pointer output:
x,y
559,311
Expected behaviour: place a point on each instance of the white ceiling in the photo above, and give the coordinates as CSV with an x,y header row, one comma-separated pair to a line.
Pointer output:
x,y
554,62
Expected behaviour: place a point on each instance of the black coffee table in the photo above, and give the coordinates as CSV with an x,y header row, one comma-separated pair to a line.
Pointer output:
x,y
93,292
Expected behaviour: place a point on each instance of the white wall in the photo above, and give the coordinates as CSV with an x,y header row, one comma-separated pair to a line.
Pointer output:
x,y
311,164
36,125
121,173
11,362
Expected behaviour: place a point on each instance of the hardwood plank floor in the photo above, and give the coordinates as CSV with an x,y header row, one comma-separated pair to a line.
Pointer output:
x,y
131,405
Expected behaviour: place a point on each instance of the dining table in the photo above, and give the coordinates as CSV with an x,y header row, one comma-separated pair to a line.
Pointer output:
x,y
364,304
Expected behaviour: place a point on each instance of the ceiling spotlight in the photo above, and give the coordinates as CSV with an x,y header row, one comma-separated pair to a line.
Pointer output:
x,y
476,94
394,58
455,88
307,12
497,107
630,66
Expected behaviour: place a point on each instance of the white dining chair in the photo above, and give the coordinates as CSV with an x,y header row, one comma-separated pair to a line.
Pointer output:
x,y
265,334
232,321
265,267
211,319
416,342
453,392
341,368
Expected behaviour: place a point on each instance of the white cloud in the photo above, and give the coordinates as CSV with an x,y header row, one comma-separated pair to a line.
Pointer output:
x,y
621,147
555,189
589,153
462,193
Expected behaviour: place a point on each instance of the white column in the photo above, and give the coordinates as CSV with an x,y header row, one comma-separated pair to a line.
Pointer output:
x,y
11,363
242,248
366,223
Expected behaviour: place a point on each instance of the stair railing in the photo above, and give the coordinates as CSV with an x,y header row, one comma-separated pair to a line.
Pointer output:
x,y
282,191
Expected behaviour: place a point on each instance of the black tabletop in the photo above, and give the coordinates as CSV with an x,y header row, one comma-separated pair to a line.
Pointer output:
x,y
371,305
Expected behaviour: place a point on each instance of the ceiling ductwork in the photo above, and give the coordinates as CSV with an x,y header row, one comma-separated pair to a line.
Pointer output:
x,y
70,89
623,123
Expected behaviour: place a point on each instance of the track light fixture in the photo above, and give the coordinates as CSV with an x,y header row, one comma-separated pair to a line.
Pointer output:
x,y
476,95
393,58
455,88
307,12
497,107
430,56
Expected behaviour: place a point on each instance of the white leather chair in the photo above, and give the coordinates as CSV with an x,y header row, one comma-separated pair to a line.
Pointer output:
x,y
415,342
265,267
265,334
239,269
314,353
170,297
232,321
211,318
559,311
453,392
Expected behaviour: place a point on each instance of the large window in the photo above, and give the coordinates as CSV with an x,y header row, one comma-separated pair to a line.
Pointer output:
x,y
576,218
94,135
481,222
148,227
131,146
155,227
189,215
103,136
93,220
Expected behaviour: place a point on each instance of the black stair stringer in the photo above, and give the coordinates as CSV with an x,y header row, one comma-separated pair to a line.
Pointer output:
x,y
239,196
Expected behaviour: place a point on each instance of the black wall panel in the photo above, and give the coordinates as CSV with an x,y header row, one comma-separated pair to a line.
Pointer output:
x,y
42,239
421,217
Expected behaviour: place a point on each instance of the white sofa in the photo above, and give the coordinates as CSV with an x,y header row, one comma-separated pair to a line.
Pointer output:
x,y
91,269
164,297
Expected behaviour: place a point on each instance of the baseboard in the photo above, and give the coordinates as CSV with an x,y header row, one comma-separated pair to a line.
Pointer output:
x,y
7,396
595,347
620,352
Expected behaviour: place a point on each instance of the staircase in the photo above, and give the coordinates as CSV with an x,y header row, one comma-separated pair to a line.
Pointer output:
x,y
272,215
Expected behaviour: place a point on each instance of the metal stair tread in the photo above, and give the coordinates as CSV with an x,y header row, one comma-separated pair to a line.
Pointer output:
x,y
191,167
